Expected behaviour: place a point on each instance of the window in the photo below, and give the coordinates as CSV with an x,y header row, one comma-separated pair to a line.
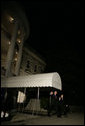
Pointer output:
x,y
17,47
35,69
3,70
27,64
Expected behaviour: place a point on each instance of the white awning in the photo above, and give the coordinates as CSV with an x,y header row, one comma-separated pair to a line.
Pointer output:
x,y
35,80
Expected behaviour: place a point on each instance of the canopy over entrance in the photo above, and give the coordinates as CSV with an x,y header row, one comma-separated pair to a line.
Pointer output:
x,y
35,80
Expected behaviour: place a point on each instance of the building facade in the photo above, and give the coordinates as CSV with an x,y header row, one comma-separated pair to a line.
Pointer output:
x,y
16,59
32,63
14,31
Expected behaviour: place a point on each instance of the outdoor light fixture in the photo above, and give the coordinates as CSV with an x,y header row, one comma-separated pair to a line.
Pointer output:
x,y
9,43
19,32
16,52
11,19
15,59
19,41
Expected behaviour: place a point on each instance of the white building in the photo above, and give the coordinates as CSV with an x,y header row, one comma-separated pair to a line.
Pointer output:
x,y
14,32
17,60
32,62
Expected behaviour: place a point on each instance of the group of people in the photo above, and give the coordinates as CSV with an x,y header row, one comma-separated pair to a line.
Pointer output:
x,y
56,103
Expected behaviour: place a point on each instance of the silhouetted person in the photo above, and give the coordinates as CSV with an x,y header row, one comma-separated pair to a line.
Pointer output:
x,y
55,100
50,104
60,111
62,104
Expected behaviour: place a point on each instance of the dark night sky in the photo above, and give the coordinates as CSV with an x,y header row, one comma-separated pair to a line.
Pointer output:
x,y
57,33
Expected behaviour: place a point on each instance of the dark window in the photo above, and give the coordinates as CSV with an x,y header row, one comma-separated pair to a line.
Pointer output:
x,y
41,70
27,64
35,69
16,47
3,70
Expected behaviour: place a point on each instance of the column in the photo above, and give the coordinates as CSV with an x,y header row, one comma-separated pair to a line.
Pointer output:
x,y
17,68
38,93
37,102
11,50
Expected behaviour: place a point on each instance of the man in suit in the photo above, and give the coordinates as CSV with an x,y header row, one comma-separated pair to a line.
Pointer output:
x,y
60,106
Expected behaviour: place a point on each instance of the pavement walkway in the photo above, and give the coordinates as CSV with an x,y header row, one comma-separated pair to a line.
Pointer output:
x,y
75,118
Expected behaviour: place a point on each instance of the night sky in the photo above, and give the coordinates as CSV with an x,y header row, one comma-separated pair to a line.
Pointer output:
x,y
57,33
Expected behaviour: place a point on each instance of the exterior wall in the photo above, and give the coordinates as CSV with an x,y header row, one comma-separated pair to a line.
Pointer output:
x,y
14,31
31,63
5,40
13,35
